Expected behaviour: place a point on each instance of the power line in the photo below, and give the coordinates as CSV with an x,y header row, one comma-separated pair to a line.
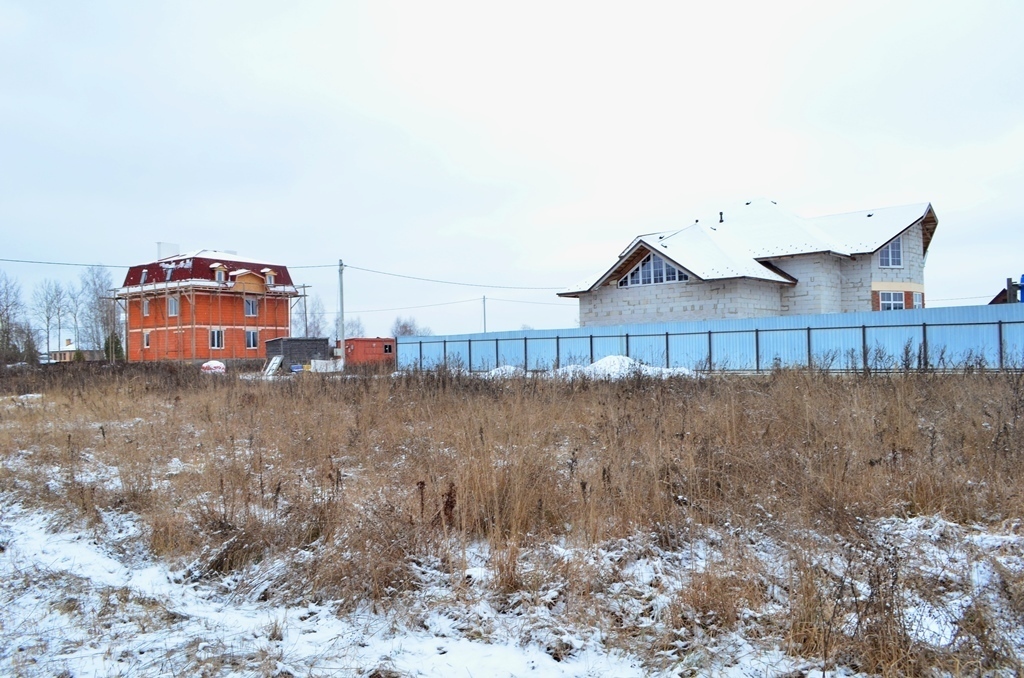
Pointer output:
x,y
406,308
444,282
60,263
984,296
357,268
535,303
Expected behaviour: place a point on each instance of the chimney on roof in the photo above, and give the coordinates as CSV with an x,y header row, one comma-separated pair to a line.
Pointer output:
x,y
166,249
721,219
67,342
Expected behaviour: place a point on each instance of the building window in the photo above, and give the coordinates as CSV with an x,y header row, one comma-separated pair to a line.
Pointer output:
x,y
145,340
251,307
219,275
891,256
172,306
216,338
918,299
142,278
270,278
170,272
252,339
145,307
653,270
890,301
387,348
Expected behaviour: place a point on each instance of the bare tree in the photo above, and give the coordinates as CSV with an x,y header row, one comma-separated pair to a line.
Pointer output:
x,y
317,318
407,327
101,316
11,310
45,302
354,328
60,306
75,296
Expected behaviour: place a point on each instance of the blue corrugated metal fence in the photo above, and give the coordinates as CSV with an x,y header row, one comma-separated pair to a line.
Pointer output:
x,y
990,336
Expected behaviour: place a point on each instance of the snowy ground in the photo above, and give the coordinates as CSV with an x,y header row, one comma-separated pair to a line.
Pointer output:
x,y
92,602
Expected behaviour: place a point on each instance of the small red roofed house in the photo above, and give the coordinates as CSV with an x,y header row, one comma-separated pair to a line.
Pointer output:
x,y
205,305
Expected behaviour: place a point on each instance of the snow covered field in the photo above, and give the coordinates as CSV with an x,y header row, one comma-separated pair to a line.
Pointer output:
x,y
93,603
84,594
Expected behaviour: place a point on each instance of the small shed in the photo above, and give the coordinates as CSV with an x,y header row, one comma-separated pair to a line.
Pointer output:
x,y
299,350
370,351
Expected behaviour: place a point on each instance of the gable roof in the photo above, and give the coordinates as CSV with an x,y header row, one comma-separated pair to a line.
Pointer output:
x,y
739,243
867,231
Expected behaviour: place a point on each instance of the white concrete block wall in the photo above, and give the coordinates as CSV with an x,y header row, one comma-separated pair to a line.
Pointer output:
x,y
860,272
819,286
689,300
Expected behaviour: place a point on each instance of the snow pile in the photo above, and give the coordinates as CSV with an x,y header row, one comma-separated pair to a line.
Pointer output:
x,y
213,367
610,368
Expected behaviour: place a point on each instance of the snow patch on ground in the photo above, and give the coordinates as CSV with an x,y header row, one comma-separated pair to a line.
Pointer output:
x,y
610,368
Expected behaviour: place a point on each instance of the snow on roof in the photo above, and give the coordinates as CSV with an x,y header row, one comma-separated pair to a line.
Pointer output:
x,y
216,255
710,253
733,242
866,231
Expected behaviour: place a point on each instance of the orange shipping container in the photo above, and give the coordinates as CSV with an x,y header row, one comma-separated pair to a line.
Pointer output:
x,y
367,351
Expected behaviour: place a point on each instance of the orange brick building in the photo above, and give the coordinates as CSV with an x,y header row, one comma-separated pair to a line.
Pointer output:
x,y
205,305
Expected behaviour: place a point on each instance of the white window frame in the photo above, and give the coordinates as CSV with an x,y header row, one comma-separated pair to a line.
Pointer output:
x,y
891,301
145,340
220,275
270,278
145,306
173,307
891,256
217,339
918,299
252,339
653,270
254,304
142,278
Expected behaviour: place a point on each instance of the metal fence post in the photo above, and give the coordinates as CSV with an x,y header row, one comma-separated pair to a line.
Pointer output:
x,y
591,349
627,345
497,355
668,364
558,352
864,345
469,350
757,350
924,343
526,360
421,355
444,348
810,356
710,362
1002,352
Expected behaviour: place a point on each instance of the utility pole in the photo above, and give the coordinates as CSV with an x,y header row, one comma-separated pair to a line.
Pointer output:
x,y
341,306
485,314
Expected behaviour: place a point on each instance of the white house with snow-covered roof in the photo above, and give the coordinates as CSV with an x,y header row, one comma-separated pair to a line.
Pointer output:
x,y
756,259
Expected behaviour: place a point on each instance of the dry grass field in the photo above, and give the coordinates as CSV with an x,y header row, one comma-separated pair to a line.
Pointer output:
x,y
840,520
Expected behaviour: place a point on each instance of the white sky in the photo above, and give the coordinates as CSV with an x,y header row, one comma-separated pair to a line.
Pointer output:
x,y
513,144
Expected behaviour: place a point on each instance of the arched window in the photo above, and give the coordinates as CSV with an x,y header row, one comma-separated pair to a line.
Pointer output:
x,y
653,270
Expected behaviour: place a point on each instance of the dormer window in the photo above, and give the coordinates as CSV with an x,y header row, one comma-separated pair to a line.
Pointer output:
x,y
891,256
270,278
653,270
142,278
220,275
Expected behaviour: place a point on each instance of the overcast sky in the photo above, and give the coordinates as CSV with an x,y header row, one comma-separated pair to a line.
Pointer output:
x,y
514,144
